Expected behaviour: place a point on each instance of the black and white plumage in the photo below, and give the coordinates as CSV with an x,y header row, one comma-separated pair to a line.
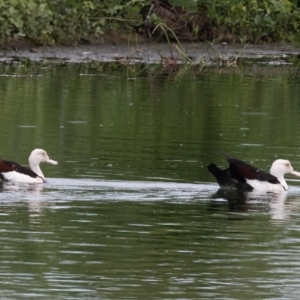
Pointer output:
x,y
243,176
11,171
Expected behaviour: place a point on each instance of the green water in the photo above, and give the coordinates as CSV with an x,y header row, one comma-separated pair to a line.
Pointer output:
x,y
130,211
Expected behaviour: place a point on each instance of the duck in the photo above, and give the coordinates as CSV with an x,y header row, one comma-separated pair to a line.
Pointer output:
x,y
243,176
13,172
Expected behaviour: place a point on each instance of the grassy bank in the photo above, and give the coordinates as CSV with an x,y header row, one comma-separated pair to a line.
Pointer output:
x,y
48,22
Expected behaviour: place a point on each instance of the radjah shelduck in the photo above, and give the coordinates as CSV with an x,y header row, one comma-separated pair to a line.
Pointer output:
x,y
243,176
11,171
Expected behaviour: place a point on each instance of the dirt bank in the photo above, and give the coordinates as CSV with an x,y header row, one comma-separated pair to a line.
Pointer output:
x,y
147,52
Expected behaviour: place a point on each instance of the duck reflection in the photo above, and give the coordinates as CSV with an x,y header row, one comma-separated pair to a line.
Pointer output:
x,y
20,188
241,204
32,194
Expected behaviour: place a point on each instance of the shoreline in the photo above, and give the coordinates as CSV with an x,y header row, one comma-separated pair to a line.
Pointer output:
x,y
148,52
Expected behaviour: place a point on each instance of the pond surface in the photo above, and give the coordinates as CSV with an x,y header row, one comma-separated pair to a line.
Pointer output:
x,y
130,211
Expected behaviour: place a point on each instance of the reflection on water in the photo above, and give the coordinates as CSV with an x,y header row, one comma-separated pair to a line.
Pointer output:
x,y
244,202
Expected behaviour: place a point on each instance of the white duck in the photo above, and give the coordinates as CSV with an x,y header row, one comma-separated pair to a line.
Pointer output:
x,y
11,171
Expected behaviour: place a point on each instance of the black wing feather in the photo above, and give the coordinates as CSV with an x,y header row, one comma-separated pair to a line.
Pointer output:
x,y
18,168
226,180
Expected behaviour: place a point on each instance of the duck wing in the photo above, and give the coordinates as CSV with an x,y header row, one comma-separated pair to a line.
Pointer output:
x,y
226,180
242,171
10,166
6,166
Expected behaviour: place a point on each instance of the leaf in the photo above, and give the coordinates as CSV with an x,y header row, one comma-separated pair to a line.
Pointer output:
x,y
17,22
257,20
12,10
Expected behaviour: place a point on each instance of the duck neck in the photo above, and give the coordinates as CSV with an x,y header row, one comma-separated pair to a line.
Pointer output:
x,y
281,180
36,169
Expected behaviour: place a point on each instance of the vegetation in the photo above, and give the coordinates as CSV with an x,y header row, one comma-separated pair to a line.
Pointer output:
x,y
71,21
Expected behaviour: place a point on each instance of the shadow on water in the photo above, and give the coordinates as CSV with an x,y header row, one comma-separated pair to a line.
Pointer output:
x,y
242,205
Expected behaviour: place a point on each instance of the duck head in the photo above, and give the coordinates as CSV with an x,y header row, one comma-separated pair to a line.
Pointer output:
x,y
39,155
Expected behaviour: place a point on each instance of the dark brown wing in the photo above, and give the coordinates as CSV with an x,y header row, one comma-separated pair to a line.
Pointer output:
x,y
4,167
9,166
242,171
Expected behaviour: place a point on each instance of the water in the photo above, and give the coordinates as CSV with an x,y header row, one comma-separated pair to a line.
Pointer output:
x,y
130,211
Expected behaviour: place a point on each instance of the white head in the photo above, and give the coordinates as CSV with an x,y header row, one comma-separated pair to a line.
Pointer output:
x,y
281,167
36,157
39,155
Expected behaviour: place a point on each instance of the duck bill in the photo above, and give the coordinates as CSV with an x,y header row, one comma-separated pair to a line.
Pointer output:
x,y
53,162
295,173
